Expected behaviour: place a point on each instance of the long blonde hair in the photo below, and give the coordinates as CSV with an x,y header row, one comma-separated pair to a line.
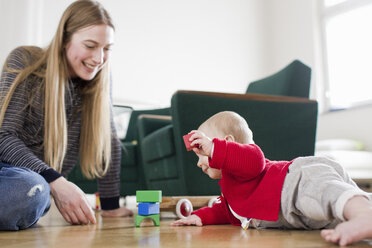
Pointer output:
x,y
51,65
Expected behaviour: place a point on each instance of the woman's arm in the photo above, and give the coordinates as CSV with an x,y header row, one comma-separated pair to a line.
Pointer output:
x,y
15,130
71,202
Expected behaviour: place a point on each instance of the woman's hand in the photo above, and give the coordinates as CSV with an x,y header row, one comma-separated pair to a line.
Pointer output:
x,y
119,212
192,220
71,202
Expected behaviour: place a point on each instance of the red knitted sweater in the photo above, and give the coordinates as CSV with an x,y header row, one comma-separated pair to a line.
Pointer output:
x,y
250,184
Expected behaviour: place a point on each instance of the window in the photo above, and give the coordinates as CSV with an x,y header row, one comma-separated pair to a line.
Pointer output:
x,y
348,52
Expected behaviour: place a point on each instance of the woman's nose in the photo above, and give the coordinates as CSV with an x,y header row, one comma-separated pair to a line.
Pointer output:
x,y
98,56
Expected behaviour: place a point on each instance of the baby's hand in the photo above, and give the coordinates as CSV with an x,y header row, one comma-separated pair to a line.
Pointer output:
x,y
201,143
192,220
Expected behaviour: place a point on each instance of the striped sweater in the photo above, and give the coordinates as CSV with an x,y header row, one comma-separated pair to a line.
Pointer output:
x,y
22,132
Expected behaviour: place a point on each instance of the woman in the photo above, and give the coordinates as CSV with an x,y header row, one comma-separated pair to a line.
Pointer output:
x,y
56,108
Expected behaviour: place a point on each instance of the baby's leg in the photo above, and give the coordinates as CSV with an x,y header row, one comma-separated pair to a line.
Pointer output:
x,y
358,215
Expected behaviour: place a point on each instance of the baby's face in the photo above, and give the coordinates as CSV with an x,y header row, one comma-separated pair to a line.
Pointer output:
x,y
203,162
204,165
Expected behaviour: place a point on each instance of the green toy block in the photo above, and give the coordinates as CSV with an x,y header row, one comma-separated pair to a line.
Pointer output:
x,y
155,218
148,195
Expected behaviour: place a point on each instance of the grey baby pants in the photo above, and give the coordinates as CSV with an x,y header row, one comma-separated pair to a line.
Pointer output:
x,y
314,194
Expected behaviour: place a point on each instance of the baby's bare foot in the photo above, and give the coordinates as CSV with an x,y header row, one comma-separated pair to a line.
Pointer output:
x,y
350,231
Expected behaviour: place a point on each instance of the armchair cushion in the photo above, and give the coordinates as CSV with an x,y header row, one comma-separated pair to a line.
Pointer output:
x,y
158,144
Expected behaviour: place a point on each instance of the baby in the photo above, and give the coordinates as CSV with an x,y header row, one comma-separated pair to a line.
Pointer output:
x,y
305,193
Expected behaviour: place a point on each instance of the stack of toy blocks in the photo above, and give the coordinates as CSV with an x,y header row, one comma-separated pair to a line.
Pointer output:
x,y
148,206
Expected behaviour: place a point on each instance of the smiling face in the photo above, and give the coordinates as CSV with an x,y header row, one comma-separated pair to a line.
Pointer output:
x,y
88,50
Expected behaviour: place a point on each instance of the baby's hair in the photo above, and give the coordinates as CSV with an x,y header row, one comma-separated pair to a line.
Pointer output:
x,y
230,123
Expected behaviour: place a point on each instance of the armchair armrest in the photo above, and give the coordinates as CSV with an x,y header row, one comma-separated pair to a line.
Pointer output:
x,y
155,136
156,117
249,96
148,123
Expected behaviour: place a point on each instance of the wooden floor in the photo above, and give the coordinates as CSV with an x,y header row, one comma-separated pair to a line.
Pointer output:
x,y
53,231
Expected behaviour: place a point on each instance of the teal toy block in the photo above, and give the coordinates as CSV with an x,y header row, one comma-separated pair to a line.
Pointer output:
x,y
154,217
148,195
148,208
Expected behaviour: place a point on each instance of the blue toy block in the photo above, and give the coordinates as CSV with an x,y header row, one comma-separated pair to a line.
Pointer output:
x,y
148,208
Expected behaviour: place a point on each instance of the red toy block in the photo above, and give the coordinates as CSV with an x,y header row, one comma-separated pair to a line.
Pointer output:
x,y
187,141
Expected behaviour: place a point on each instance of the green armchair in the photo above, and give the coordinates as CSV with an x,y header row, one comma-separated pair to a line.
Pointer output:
x,y
292,80
284,127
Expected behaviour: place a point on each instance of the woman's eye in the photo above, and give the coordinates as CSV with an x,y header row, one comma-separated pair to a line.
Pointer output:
x,y
89,47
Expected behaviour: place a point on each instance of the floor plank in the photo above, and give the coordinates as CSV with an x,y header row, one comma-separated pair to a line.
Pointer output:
x,y
53,231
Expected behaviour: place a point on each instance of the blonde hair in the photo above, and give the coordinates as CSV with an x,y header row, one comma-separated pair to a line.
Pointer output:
x,y
51,65
229,123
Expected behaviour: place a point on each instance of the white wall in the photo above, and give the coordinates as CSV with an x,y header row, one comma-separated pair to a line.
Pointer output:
x,y
216,45
160,46
195,44
165,45
351,124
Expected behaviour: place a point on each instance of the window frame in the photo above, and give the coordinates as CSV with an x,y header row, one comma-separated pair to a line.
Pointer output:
x,y
327,13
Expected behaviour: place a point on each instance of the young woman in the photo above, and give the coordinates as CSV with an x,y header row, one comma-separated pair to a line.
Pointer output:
x,y
56,108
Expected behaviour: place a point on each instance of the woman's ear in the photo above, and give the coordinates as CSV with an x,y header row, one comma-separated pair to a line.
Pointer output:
x,y
230,138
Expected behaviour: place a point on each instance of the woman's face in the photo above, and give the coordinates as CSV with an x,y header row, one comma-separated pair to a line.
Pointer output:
x,y
88,50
